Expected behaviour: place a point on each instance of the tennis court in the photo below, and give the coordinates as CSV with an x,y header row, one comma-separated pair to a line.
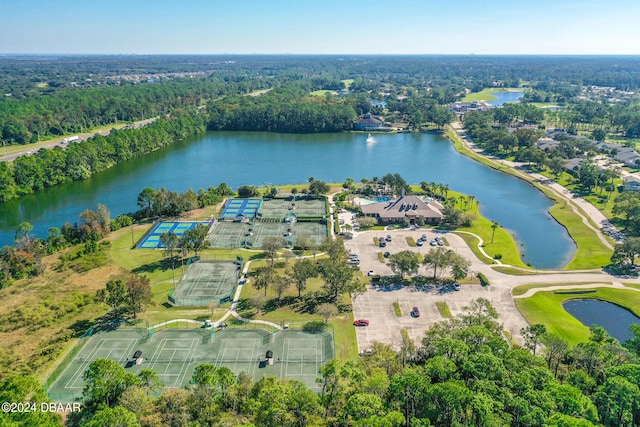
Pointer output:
x,y
205,282
241,208
175,353
304,207
151,240
239,235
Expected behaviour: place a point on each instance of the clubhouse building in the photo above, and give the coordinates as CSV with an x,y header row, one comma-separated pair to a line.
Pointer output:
x,y
405,208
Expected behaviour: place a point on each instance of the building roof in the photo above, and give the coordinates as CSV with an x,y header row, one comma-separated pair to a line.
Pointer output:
x,y
368,119
630,178
547,143
405,207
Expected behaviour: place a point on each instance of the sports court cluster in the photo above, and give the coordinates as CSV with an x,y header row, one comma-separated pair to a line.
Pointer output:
x,y
175,353
245,223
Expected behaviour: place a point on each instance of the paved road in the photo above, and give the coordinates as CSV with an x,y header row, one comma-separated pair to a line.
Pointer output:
x,y
59,142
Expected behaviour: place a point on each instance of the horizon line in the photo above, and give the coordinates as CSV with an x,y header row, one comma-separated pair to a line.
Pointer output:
x,y
305,54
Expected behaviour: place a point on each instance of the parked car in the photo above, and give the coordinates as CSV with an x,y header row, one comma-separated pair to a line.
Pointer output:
x,y
433,243
424,237
386,254
370,273
415,312
382,244
361,322
456,287
419,243
388,239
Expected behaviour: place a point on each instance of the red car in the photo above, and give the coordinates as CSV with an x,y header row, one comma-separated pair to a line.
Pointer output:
x,y
361,322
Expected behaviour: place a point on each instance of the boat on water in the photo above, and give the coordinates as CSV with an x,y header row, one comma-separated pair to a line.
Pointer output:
x,y
370,138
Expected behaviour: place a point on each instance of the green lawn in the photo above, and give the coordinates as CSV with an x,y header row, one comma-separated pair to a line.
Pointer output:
x,y
323,92
513,271
444,310
522,289
503,243
546,308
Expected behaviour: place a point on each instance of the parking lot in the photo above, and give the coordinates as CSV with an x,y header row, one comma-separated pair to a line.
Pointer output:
x,y
376,304
363,245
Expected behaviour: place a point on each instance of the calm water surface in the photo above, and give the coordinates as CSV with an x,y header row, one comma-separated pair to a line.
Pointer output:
x,y
240,158
507,96
613,318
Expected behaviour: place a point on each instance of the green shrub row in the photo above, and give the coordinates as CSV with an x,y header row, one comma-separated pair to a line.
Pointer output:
x,y
483,279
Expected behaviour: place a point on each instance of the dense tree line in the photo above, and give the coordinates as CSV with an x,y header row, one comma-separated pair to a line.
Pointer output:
x,y
74,110
79,160
287,109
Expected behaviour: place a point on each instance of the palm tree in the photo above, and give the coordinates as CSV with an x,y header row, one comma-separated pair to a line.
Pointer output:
x,y
494,225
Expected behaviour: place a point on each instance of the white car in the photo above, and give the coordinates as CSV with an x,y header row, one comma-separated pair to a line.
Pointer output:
x,y
370,273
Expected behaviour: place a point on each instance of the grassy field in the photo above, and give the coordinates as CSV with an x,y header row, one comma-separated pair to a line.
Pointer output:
x,y
546,308
503,242
486,94
323,92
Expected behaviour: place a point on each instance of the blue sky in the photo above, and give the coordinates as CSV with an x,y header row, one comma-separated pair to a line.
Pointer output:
x,y
320,26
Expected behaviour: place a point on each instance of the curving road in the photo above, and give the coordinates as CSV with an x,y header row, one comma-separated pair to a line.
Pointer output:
x,y
29,149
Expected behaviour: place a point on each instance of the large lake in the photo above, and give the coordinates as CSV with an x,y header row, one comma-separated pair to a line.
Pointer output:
x,y
239,158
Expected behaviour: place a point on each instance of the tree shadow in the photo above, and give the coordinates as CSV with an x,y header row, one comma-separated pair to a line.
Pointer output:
x,y
80,327
163,265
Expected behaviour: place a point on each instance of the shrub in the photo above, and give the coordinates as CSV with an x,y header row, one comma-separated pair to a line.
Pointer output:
x,y
483,279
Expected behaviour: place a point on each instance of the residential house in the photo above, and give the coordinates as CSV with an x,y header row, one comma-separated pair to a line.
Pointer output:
x,y
631,183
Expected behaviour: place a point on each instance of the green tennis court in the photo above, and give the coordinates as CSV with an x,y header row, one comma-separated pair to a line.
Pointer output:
x,y
205,282
175,353
304,207
237,235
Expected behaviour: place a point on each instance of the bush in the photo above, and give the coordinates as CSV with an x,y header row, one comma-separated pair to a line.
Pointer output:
x,y
314,327
483,279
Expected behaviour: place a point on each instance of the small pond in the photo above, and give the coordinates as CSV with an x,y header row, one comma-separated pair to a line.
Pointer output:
x,y
506,96
613,318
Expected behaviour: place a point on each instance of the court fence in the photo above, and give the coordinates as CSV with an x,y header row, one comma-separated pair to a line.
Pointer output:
x,y
66,360
187,301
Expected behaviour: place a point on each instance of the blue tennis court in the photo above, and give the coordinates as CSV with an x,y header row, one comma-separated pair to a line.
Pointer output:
x,y
152,239
241,208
